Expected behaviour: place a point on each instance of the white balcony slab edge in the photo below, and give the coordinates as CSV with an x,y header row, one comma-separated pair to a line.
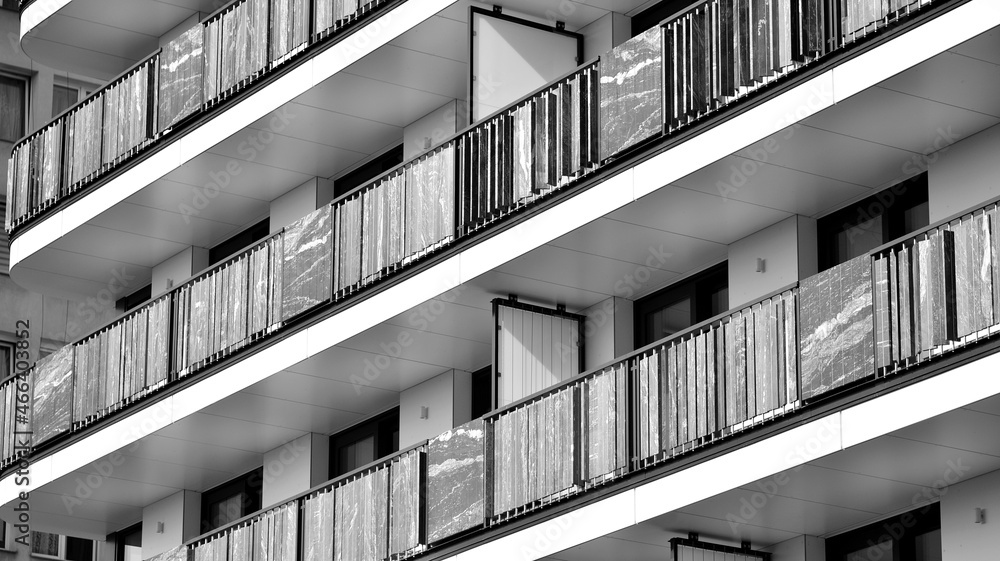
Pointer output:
x,y
36,14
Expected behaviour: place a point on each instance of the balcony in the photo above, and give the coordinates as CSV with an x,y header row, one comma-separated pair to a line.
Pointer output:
x,y
141,105
93,154
330,277
864,326
154,198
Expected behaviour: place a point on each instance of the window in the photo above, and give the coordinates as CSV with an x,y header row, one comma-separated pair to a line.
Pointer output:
x,y
128,544
368,171
131,301
6,360
682,305
364,443
44,543
79,549
859,228
63,97
913,536
482,392
232,500
67,92
13,106
656,13
252,234
10,4
3,535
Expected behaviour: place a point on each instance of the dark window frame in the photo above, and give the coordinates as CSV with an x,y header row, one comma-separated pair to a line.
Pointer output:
x,y
11,353
241,240
657,13
133,300
76,95
379,426
367,171
120,539
482,391
60,546
913,523
699,287
73,545
25,107
248,486
891,204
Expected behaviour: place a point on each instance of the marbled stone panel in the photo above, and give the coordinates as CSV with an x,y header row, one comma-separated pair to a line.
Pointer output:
x,y
631,92
361,520
973,278
751,362
728,377
656,388
855,318
761,357
792,345
52,403
742,355
259,277
618,416
455,481
982,265
213,68
317,527
307,268
701,383
682,393
883,338
424,203
404,502
182,71
837,327
240,544
348,244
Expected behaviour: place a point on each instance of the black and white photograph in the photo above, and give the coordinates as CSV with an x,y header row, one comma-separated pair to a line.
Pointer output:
x,y
507,280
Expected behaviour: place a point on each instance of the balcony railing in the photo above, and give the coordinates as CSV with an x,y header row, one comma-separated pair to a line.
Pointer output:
x,y
523,154
203,68
717,52
783,353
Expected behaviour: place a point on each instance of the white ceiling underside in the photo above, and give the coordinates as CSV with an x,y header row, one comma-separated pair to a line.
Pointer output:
x,y
102,38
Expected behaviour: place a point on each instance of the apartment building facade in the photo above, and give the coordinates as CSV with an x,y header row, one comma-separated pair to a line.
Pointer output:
x,y
543,280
